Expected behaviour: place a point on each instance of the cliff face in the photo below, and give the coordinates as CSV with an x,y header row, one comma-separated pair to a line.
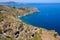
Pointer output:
x,y
11,28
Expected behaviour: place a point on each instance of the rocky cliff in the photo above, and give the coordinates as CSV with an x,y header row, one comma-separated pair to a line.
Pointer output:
x,y
11,28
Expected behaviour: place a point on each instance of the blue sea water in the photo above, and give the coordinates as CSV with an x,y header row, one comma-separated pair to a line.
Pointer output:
x,y
48,17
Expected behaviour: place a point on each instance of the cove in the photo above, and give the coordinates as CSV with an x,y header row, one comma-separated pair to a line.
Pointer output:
x,y
48,17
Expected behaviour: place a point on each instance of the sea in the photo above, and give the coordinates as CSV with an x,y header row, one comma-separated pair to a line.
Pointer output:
x,y
48,16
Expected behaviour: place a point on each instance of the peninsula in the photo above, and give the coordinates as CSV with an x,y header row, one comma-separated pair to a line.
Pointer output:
x,y
12,28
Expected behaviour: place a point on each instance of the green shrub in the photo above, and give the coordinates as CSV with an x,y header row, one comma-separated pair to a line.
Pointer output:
x,y
0,30
55,35
14,7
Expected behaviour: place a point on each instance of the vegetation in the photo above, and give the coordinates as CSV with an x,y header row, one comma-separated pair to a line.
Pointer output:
x,y
37,36
55,35
13,7
7,39
0,30
13,28
0,13
1,19
22,8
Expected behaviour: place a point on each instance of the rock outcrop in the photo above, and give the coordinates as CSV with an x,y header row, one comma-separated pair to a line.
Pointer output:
x,y
11,28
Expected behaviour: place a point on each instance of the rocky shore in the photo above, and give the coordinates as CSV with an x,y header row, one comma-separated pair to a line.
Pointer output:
x,y
11,28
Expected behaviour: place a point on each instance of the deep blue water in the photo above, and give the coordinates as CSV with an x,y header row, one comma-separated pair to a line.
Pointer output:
x,y
48,17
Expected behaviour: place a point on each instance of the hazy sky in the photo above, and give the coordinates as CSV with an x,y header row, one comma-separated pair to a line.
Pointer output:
x,y
33,1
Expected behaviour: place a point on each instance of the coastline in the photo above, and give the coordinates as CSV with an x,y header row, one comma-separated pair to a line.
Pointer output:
x,y
13,27
32,12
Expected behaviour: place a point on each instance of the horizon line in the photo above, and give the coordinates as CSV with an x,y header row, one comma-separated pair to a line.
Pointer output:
x,y
28,2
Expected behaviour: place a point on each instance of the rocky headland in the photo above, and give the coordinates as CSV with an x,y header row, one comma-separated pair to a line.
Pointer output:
x,y
12,28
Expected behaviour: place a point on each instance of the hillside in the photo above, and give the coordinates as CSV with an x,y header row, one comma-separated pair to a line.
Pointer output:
x,y
12,28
